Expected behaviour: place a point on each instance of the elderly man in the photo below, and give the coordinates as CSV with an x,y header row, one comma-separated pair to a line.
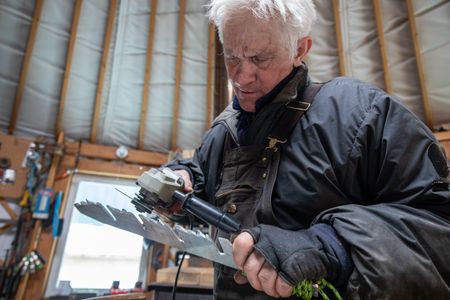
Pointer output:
x,y
335,181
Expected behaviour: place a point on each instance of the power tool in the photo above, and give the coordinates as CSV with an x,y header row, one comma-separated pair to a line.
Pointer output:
x,y
161,191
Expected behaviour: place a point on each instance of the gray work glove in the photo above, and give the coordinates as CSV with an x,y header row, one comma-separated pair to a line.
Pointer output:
x,y
305,254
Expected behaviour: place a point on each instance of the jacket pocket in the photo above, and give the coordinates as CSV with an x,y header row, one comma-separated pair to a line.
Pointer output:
x,y
239,203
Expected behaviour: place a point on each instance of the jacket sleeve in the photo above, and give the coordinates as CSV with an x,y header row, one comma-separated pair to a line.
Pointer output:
x,y
399,252
205,163
399,232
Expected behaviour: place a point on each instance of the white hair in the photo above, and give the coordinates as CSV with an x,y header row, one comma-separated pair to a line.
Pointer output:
x,y
295,16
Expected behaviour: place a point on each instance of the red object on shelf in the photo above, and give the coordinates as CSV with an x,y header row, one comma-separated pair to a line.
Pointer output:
x,y
115,290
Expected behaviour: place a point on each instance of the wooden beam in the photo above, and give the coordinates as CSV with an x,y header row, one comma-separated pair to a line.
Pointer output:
x,y
26,64
109,169
55,240
12,214
382,42
103,63
444,139
340,46
47,243
134,156
210,74
148,72
221,90
178,69
5,228
420,68
443,136
55,163
69,56
154,254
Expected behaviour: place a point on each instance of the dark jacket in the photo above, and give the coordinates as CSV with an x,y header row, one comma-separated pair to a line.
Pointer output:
x,y
363,163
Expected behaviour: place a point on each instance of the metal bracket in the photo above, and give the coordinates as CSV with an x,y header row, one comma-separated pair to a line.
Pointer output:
x,y
273,143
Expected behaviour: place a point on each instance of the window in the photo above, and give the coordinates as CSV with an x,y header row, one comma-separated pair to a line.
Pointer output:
x,y
91,255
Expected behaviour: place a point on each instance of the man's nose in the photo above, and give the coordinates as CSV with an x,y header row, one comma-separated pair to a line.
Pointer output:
x,y
245,73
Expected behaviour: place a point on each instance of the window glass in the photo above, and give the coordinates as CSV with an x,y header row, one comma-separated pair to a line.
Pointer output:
x,y
97,254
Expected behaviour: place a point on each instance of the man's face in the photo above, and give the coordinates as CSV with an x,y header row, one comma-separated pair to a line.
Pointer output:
x,y
256,58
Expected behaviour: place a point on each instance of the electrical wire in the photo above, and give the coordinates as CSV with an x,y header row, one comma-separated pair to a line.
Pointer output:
x,y
174,289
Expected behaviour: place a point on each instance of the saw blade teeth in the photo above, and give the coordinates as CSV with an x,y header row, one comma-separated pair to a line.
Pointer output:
x,y
155,230
197,244
127,220
226,246
189,238
151,226
96,211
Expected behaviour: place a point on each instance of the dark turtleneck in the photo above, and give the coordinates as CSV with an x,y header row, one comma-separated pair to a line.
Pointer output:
x,y
245,118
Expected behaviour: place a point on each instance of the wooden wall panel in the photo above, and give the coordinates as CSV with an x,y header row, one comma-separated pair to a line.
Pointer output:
x,y
102,73
67,70
26,64
178,72
340,46
382,43
210,75
134,156
31,286
419,62
91,164
148,72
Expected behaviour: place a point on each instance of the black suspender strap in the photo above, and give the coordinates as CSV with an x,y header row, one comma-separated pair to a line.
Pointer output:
x,y
289,118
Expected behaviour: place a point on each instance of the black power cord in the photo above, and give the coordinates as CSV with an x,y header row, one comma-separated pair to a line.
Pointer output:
x,y
174,289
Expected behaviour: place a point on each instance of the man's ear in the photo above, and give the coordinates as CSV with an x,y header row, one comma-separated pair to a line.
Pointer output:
x,y
303,47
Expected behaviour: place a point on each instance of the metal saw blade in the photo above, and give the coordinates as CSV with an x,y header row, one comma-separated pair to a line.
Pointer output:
x,y
152,227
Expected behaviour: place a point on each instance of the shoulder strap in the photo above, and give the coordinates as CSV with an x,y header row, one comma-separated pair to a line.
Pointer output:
x,y
229,119
289,118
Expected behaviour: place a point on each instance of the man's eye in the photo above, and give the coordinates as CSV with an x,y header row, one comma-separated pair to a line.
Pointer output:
x,y
232,59
259,60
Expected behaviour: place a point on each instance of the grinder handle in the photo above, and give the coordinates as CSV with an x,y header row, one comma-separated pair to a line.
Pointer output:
x,y
207,212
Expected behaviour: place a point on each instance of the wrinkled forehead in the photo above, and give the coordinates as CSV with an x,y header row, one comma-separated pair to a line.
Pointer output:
x,y
244,20
244,32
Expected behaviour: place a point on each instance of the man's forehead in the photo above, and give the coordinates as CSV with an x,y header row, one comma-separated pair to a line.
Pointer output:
x,y
243,44
244,51
250,38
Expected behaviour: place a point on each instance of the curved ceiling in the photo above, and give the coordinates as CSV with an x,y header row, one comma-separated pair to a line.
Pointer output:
x,y
35,74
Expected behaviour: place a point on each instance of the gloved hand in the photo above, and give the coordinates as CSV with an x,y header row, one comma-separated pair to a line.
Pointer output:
x,y
295,255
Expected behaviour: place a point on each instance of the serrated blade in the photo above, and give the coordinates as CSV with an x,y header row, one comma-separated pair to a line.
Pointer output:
x,y
153,228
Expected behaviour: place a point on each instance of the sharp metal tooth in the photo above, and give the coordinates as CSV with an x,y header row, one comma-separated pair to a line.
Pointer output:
x,y
226,246
159,231
126,221
202,245
96,211
191,238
